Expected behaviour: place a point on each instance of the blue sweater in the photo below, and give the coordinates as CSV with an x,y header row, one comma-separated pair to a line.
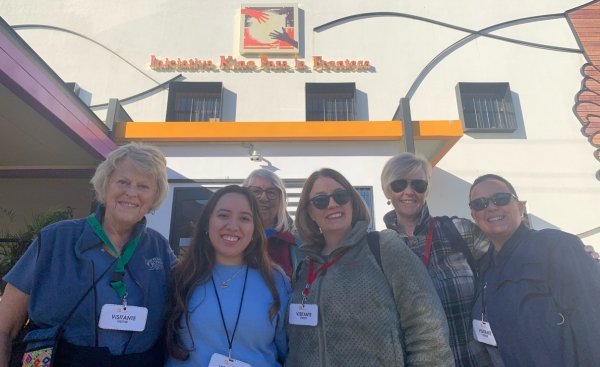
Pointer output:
x,y
258,340
62,264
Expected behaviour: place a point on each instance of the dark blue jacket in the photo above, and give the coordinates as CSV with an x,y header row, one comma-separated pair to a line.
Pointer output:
x,y
541,300
62,275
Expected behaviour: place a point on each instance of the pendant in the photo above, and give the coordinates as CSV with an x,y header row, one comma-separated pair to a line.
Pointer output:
x,y
224,285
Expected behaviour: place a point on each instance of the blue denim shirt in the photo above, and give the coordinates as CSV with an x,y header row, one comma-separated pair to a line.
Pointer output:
x,y
59,267
541,296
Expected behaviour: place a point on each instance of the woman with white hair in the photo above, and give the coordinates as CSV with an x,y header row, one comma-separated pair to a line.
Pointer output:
x,y
270,193
96,287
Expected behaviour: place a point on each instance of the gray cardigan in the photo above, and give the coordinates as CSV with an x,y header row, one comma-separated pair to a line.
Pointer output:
x,y
362,321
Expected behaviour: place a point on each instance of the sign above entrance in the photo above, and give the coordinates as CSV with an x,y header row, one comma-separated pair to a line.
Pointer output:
x,y
262,64
269,29
269,42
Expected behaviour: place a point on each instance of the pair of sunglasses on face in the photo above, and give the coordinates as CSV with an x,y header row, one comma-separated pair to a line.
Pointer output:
x,y
419,186
341,197
498,199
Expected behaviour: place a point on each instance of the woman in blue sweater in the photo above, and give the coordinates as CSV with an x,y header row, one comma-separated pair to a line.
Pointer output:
x,y
228,302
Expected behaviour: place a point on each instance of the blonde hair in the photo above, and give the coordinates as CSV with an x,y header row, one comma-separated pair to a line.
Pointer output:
x,y
147,158
401,165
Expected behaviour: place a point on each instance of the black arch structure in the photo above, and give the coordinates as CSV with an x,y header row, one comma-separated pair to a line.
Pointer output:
x,y
159,85
403,110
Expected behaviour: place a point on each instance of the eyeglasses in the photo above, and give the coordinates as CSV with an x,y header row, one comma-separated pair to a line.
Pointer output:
x,y
272,193
341,197
498,199
420,186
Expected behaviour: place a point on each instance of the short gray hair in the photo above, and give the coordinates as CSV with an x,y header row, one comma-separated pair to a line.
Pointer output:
x,y
283,220
147,158
401,165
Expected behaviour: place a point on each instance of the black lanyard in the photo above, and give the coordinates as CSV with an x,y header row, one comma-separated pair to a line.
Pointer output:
x,y
230,341
483,301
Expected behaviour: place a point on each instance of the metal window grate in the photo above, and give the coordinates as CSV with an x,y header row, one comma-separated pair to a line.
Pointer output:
x,y
486,107
330,108
330,102
194,101
197,107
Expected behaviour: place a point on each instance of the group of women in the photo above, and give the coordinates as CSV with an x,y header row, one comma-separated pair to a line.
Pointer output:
x,y
427,291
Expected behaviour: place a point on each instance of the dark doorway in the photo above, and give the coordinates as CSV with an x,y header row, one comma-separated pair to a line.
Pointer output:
x,y
188,203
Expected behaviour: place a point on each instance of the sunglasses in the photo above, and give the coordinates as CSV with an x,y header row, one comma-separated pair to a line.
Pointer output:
x,y
271,193
498,199
341,197
420,186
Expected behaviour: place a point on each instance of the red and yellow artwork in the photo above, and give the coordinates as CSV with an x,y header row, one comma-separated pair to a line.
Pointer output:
x,y
269,29
585,21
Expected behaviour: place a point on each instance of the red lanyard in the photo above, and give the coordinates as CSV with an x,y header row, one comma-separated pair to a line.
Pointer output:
x,y
313,275
429,241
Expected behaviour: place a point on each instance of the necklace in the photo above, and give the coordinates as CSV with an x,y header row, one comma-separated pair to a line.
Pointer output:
x,y
225,283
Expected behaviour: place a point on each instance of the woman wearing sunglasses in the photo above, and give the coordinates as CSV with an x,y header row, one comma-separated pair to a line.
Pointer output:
x,y
346,311
448,247
538,292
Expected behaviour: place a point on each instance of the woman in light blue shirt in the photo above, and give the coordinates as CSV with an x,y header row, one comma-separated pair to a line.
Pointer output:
x,y
227,300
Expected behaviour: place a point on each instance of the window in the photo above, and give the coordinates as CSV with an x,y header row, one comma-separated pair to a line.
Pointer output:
x,y
366,193
194,101
486,107
330,101
188,203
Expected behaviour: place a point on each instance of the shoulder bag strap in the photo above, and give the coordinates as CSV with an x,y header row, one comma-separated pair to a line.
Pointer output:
x,y
373,241
72,312
85,294
449,229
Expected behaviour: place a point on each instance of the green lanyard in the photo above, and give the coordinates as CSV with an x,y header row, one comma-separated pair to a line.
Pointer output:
x,y
116,281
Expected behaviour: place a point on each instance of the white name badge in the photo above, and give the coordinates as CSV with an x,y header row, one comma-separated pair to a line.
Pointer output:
x,y
219,360
307,314
482,332
117,317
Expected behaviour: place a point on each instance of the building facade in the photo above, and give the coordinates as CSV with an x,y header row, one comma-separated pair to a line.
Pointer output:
x,y
50,141
228,87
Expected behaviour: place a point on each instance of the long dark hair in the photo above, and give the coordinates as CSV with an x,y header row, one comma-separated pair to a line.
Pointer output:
x,y
197,265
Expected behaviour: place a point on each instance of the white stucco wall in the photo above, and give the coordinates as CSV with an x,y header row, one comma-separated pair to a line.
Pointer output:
x,y
548,160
